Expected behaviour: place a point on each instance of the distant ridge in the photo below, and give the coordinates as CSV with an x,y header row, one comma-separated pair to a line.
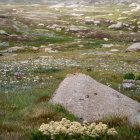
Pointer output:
x,y
69,1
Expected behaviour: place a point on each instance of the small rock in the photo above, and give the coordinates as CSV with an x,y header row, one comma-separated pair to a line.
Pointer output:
x,y
15,49
4,44
77,15
50,50
2,32
138,22
133,48
41,24
137,8
43,46
89,21
97,22
122,18
132,5
58,29
114,50
116,26
73,29
107,45
18,75
106,39
128,86
34,48
54,26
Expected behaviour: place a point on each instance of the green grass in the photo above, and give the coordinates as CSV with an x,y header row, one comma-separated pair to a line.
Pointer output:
x,y
22,111
31,108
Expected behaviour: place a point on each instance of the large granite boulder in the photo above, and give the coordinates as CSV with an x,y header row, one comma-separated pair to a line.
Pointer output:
x,y
90,100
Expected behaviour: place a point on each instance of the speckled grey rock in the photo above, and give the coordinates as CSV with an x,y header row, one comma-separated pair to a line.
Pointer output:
x,y
116,26
128,86
90,100
133,48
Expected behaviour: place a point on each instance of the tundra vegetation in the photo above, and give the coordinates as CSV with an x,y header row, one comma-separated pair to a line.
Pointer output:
x,y
41,44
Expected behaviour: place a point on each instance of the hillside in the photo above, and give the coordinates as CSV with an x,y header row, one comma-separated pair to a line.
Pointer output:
x,y
69,1
41,44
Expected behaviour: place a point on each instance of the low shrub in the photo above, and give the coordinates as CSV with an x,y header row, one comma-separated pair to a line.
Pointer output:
x,y
130,76
67,130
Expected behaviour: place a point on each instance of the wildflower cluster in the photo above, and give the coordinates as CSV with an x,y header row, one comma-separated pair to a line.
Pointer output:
x,y
26,74
67,128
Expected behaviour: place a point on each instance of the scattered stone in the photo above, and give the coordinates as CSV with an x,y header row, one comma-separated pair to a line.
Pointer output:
x,y
54,26
81,46
103,101
77,15
131,85
107,45
97,22
2,32
128,86
133,48
110,14
116,26
15,49
106,39
34,48
50,50
125,25
51,45
18,75
114,50
4,44
122,18
97,53
91,21
73,29
136,8
132,5
41,25
58,29
138,22
76,29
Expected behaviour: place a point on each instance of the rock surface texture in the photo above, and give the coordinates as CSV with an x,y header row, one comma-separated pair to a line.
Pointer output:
x,y
90,100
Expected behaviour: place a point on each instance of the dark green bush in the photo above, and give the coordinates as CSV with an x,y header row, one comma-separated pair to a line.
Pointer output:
x,y
137,77
38,136
130,76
